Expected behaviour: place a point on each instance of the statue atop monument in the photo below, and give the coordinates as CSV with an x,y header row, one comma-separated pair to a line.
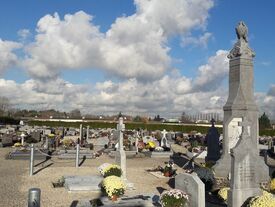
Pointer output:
x,y
241,47
242,31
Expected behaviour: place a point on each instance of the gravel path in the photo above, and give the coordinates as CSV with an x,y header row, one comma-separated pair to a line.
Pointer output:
x,y
15,180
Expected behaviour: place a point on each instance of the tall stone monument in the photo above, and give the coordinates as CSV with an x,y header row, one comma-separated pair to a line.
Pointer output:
x,y
240,103
244,181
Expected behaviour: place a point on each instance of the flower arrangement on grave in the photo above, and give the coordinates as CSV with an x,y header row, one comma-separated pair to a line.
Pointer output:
x,y
60,182
140,146
159,149
113,186
150,145
17,144
112,170
223,193
272,185
207,177
67,142
174,198
168,170
266,200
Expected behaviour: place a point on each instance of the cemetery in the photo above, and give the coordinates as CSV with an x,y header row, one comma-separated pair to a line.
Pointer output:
x,y
85,166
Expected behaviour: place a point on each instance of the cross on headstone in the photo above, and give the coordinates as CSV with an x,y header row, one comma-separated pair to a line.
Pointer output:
x,y
121,126
244,124
213,122
164,132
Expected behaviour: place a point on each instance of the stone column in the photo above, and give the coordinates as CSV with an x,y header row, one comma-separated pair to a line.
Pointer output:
x,y
240,103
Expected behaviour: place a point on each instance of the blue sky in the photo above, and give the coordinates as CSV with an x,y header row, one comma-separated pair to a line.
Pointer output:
x,y
186,52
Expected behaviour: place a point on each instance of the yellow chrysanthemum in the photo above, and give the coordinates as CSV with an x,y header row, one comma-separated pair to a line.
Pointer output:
x,y
265,200
17,144
272,184
113,185
223,193
150,144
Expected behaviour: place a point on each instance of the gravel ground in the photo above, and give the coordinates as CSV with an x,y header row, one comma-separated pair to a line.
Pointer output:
x,y
15,180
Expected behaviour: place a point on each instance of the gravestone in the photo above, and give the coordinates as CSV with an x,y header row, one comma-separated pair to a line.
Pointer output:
x,y
244,181
83,183
193,186
240,103
36,135
213,143
6,140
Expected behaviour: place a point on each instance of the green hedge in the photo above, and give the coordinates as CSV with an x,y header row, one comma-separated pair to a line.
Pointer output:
x,y
167,127
8,120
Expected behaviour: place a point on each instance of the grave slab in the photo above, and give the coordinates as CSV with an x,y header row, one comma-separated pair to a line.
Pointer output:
x,y
83,183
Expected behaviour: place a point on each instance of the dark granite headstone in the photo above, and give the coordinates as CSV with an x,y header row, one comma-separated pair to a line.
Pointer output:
x,y
213,143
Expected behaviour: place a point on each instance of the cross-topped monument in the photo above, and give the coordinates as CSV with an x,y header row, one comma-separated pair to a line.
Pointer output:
x,y
120,156
245,124
213,122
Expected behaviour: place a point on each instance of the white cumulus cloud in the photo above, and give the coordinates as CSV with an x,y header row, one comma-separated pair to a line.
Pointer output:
x,y
7,56
134,47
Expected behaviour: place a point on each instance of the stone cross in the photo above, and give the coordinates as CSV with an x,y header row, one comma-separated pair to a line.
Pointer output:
x,y
164,142
244,124
213,122
164,132
22,138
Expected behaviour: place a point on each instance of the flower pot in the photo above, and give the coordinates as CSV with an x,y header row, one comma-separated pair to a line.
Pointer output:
x,y
114,197
166,174
151,149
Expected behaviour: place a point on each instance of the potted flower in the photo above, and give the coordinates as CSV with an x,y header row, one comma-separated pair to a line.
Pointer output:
x,y
113,186
272,185
174,198
151,145
223,193
60,183
168,169
266,200
140,146
111,170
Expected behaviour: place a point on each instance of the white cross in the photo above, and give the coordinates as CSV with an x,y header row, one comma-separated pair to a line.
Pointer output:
x,y
164,133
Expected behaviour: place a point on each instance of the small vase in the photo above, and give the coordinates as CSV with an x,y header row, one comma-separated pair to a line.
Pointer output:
x,y
167,174
114,197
